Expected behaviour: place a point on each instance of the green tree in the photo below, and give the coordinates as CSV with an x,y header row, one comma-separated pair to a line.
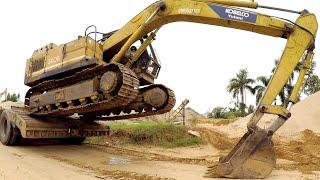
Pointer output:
x,y
234,90
239,85
242,108
217,112
250,109
312,85
13,97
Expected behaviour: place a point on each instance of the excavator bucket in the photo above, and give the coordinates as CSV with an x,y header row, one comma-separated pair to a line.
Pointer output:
x,y
252,158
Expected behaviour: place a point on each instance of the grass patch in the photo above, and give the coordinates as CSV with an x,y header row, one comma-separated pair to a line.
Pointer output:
x,y
154,133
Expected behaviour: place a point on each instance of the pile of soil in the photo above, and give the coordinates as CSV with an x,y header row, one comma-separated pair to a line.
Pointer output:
x,y
302,155
305,115
190,115
218,140
9,104
296,143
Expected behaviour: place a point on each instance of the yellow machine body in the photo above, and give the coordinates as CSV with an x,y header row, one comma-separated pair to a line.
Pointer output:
x,y
253,156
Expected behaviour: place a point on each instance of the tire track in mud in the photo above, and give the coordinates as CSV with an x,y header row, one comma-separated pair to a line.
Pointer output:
x,y
149,155
131,165
103,173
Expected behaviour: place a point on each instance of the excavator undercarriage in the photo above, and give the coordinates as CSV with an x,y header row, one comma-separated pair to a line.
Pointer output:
x,y
112,90
94,90
113,78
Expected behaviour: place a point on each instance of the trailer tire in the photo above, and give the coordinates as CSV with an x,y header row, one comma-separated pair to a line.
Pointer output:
x,y
9,135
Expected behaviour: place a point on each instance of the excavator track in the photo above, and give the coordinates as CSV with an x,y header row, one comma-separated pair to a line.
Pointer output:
x,y
138,108
126,93
84,74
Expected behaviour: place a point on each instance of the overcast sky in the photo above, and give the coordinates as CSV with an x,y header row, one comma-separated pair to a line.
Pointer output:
x,y
197,60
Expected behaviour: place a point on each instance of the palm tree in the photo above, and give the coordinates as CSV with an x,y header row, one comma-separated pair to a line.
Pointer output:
x,y
261,87
287,89
234,90
240,84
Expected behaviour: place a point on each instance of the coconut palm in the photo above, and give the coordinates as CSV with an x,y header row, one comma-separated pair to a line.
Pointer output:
x,y
261,87
234,90
239,85
287,89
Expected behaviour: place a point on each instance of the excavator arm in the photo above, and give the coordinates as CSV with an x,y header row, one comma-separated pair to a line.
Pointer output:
x,y
212,12
253,156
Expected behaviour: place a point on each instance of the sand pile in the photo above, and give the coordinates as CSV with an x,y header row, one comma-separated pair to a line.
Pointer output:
x,y
305,115
297,143
218,140
302,155
190,115
9,104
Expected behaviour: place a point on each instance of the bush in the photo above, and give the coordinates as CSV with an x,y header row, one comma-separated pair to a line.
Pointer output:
x,y
13,97
155,133
223,113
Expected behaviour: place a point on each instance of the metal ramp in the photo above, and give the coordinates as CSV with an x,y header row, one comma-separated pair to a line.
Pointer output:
x,y
179,111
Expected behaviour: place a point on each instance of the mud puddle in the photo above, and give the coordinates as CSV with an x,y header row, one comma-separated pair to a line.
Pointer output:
x,y
116,160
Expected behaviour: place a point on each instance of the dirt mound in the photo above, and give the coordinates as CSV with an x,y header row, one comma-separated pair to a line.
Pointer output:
x,y
215,122
297,142
190,115
305,154
216,139
9,104
305,115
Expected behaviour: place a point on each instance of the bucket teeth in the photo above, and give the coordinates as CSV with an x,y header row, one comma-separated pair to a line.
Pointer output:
x,y
213,171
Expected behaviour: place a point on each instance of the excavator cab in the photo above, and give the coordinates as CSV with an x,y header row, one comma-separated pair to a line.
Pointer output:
x,y
147,66
141,58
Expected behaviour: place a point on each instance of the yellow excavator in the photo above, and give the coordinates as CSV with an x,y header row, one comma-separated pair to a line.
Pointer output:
x,y
113,77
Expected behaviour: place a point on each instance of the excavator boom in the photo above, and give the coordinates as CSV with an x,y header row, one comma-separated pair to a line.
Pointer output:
x,y
253,156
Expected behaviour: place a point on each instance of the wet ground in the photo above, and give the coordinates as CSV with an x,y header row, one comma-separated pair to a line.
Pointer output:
x,y
97,162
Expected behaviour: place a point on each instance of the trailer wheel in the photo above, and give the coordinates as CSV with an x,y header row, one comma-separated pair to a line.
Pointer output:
x,y
9,135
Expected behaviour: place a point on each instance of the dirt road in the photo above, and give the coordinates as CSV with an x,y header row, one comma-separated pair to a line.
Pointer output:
x,y
87,162
84,162
26,163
